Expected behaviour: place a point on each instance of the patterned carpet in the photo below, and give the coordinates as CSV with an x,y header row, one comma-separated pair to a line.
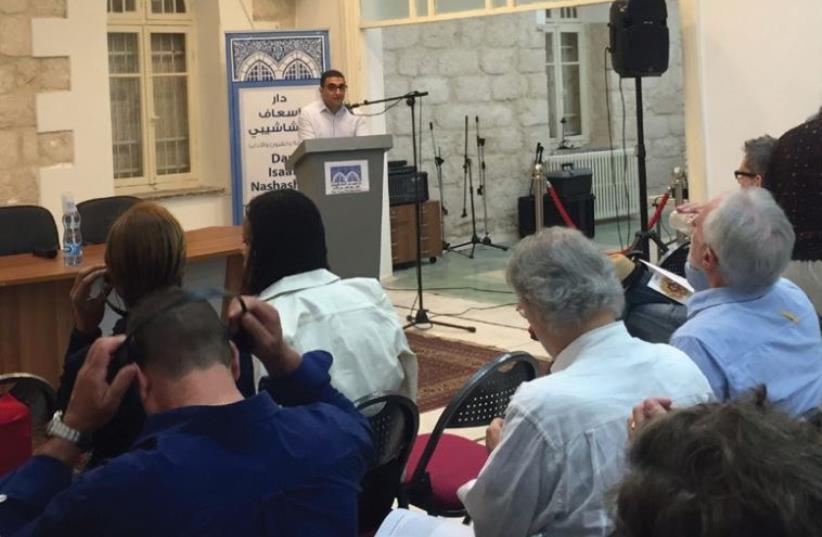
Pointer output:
x,y
444,366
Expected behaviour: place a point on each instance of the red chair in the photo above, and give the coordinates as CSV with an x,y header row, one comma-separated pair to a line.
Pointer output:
x,y
15,430
25,408
440,462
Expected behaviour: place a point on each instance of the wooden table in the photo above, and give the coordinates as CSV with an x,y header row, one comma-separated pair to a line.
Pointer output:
x,y
35,311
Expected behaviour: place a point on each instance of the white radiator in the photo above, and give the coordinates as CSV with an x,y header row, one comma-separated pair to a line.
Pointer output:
x,y
614,172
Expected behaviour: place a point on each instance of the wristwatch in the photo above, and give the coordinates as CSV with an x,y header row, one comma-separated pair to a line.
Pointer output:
x,y
61,430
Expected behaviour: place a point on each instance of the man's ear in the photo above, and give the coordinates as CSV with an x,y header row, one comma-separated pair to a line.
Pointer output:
x,y
757,181
235,361
709,259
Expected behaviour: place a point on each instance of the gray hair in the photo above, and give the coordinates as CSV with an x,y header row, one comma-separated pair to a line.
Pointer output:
x,y
758,153
563,274
751,237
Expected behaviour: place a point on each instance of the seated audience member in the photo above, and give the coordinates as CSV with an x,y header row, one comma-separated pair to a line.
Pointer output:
x,y
648,315
286,266
145,251
560,448
208,461
795,180
736,469
751,327
752,171
754,166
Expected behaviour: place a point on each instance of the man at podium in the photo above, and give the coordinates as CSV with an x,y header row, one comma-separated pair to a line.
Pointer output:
x,y
327,117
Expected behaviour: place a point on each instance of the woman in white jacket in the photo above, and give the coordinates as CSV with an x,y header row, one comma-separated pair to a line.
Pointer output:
x,y
286,265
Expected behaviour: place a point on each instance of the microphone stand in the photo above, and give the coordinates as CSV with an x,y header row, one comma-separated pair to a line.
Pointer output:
x,y
468,179
421,317
482,190
438,162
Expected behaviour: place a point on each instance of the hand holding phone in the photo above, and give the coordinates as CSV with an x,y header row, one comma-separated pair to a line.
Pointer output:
x,y
88,299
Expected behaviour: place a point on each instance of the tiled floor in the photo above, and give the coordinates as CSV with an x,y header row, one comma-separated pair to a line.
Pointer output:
x,y
473,292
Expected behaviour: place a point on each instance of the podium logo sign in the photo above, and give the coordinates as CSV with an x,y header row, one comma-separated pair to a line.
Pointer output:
x,y
271,76
346,177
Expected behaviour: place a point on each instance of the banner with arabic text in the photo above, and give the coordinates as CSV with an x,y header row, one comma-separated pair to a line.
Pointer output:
x,y
271,75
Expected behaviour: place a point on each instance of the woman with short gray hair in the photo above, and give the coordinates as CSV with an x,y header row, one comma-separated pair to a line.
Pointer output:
x,y
558,451
754,165
565,278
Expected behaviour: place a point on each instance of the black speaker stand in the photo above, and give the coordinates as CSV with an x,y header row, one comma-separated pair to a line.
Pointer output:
x,y
644,234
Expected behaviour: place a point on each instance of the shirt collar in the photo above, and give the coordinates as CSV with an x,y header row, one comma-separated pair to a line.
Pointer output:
x,y
572,352
717,296
192,419
324,108
298,282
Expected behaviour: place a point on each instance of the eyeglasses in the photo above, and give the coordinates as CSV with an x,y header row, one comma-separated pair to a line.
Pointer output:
x,y
739,174
334,87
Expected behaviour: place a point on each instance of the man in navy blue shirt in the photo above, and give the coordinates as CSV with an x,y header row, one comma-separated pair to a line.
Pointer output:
x,y
208,462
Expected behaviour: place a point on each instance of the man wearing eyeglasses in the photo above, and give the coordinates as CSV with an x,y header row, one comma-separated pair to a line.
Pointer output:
x,y
754,164
328,117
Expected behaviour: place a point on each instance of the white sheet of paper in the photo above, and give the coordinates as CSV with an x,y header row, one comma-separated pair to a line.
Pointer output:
x,y
405,523
658,284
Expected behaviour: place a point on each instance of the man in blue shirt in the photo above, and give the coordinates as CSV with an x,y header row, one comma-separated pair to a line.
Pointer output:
x,y
751,327
208,462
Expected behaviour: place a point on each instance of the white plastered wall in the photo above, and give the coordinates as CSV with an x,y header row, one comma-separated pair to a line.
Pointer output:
x,y
82,37
751,67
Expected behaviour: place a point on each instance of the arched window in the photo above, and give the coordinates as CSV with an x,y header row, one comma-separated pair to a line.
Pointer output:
x,y
260,71
297,70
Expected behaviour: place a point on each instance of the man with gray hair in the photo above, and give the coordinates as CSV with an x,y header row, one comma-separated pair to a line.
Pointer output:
x,y
561,446
751,327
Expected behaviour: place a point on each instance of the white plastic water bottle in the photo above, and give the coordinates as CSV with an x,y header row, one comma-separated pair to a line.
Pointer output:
x,y
72,238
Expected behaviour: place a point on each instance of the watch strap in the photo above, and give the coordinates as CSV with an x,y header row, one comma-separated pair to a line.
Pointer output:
x,y
59,429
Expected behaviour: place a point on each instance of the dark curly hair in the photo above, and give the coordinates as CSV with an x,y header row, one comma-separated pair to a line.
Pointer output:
x,y
742,469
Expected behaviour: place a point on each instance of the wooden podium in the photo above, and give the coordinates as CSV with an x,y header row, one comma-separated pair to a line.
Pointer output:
x,y
344,178
35,310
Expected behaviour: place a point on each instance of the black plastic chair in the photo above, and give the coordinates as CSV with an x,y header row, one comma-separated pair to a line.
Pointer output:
x,y
484,397
394,421
97,215
27,229
34,392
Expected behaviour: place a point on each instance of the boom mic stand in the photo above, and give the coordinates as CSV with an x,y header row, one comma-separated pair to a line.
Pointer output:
x,y
438,162
468,186
468,179
421,316
482,190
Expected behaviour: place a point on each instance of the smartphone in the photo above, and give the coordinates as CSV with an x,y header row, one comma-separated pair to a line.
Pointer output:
x,y
98,287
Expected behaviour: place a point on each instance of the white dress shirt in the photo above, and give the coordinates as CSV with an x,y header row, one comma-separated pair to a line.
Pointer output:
x,y
564,438
317,121
354,321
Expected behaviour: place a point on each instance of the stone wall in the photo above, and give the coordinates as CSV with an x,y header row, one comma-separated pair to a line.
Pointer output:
x,y
22,149
494,67
664,112
491,67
